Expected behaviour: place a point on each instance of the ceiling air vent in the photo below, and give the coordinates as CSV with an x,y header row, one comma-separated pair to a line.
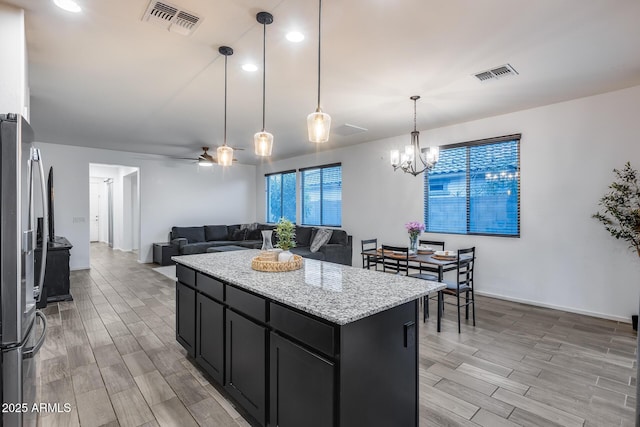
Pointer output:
x,y
348,130
496,73
171,17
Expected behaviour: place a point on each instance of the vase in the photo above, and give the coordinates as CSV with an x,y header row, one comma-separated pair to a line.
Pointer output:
x,y
285,256
266,240
413,244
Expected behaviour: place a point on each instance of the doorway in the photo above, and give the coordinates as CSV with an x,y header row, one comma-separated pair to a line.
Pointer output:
x,y
114,206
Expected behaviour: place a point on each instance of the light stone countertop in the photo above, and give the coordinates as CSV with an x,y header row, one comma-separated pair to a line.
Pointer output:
x,y
338,293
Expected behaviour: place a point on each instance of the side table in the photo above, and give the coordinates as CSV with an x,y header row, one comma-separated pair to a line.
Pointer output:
x,y
162,253
56,275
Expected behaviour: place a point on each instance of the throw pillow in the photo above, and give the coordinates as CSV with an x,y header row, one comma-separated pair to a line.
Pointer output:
x,y
239,235
322,236
254,235
303,235
250,227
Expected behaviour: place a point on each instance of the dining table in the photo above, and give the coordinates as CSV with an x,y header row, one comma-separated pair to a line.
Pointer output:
x,y
437,264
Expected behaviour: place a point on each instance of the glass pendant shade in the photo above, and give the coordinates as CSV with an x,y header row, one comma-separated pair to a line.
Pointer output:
x,y
263,142
395,158
319,124
225,155
433,155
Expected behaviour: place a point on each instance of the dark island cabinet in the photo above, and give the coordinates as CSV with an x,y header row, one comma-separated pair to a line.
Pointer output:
x,y
210,336
302,391
186,317
286,367
245,367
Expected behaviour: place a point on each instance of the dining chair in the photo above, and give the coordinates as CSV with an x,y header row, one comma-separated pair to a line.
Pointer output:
x,y
428,273
399,263
370,260
462,285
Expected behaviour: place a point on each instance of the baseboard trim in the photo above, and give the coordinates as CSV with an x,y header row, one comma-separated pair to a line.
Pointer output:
x,y
556,307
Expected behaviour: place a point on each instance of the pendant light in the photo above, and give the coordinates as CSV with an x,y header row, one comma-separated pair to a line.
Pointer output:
x,y
408,160
263,140
224,152
319,123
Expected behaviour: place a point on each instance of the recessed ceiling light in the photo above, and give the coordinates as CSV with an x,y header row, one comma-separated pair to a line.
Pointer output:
x,y
250,67
295,37
68,5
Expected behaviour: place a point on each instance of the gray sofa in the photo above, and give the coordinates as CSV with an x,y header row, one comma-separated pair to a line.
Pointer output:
x,y
196,240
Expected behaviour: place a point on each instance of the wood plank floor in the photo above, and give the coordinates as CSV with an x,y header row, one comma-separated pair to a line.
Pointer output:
x,y
112,354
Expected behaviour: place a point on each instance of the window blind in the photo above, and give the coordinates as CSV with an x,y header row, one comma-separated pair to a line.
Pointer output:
x,y
475,189
280,196
322,195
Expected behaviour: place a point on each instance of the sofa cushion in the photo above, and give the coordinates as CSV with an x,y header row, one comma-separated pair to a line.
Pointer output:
x,y
215,232
322,236
239,234
192,234
305,252
303,235
339,237
195,248
231,229
251,244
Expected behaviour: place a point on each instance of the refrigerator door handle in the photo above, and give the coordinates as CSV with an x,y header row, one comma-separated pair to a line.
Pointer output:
x,y
37,157
28,353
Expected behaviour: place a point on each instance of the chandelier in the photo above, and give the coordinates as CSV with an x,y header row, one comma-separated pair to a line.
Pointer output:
x,y
412,159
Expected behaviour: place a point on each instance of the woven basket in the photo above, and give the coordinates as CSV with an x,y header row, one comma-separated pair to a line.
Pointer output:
x,y
267,264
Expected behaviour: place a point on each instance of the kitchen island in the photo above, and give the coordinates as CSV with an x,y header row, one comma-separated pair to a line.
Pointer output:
x,y
326,345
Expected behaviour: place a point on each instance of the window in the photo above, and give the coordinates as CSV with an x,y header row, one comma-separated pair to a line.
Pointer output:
x,y
281,196
322,195
475,189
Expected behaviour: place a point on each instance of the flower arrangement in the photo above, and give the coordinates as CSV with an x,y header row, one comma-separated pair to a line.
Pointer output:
x,y
414,228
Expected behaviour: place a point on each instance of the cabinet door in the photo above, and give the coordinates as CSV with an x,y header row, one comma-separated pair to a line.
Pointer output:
x,y
210,337
186,317
245,366
302,391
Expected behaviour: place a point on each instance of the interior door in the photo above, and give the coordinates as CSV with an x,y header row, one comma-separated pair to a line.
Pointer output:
x,y
94,211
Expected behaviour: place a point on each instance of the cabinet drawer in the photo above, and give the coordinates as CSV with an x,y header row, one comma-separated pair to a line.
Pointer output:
x,y
210,286
303,328
186,275
246,303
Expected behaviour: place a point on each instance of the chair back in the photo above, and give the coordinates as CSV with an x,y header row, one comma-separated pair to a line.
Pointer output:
x,y
466,263
367,245
431,243
399,263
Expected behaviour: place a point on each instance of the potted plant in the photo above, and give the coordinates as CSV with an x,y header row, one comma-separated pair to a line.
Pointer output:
x,y
621,211
286,232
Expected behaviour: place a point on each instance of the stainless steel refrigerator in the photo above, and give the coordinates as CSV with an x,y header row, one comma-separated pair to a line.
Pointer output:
x,y
21,336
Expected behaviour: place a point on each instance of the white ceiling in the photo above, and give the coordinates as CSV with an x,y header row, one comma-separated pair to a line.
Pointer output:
x,y
104,78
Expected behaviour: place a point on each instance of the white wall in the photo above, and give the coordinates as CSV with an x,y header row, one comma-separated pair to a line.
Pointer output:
x,y
564,258
172,193
14,88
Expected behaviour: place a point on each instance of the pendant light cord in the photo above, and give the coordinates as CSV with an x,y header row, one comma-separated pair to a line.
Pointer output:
x,y
225,100
264,69
319,45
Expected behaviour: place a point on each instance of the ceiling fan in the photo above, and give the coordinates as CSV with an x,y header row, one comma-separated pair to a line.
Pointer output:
x,y
206,159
